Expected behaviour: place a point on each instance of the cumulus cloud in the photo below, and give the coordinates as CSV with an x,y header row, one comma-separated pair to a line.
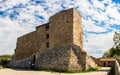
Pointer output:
x,y
89,25
100,19
98,43
9,31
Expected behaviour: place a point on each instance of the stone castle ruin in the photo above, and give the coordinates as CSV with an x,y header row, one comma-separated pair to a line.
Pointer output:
x,y
57,45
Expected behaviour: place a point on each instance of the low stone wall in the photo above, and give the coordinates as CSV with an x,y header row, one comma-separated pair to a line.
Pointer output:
x,y
96,60
22,64
117,68
90,63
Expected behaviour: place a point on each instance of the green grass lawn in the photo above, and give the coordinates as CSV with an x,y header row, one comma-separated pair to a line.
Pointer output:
x,y
82,71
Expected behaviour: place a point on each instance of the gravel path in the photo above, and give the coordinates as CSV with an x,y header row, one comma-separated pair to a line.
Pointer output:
x,y
102,71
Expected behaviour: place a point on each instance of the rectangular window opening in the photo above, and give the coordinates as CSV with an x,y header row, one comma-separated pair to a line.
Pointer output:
x,y
47,44
47,27
47,36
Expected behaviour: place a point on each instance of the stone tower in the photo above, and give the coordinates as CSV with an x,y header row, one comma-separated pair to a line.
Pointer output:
x,y
65,29
57,45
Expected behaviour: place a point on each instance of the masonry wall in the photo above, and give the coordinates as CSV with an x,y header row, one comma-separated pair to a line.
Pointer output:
x,y
89,62
22,63
41,37
65,28
26,45
61,29
77,30
29,44
66,58
57,45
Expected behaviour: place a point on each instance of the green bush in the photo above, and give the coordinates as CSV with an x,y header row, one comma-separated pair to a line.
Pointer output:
x,y
82,71
112,71
93,69
4,59
113,53
4,62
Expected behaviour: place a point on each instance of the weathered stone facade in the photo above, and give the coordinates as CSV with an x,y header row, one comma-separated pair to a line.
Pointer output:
x,y
57,45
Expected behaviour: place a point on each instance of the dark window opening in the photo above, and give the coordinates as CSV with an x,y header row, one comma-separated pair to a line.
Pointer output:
x,y
104,64
47,27
47,36
34,59
47,44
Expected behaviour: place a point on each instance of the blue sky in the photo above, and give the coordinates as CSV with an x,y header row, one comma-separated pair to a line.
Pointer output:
x,y
100,19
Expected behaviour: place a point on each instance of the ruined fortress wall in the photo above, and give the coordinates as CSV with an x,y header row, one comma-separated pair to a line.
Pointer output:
x,y
56,45
26,45
65,28
89,62
61,29
22,63
77,30
42,39
64,58
29,44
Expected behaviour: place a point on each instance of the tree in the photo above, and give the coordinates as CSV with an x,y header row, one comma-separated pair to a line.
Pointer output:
x,y
4,60
113,53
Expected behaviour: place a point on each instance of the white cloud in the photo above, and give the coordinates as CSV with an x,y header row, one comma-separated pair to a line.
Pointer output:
x,y
97,4
11,3
9,32
98,43
89,25
35,8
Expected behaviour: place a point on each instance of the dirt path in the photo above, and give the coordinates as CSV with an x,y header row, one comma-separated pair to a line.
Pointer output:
x,y
102,71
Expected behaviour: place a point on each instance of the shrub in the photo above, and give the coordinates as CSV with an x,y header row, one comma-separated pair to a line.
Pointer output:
x,y
82,71
112,71
4,59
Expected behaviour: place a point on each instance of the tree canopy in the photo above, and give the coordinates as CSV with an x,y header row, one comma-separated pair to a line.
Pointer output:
x,y
113,53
